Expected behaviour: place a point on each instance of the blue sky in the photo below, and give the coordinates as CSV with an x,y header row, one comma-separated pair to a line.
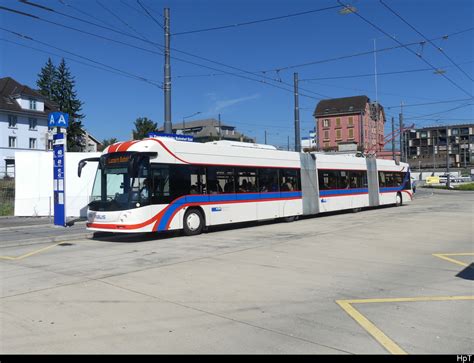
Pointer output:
x,y
112,102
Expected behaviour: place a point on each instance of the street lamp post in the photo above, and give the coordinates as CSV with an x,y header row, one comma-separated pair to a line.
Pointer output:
x,y
185,117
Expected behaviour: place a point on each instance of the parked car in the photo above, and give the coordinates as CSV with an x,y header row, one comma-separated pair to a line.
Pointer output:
x,y
453,179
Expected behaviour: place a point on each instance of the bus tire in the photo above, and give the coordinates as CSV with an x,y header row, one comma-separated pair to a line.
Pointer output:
x,y
356,210
193,222
290,219
398,199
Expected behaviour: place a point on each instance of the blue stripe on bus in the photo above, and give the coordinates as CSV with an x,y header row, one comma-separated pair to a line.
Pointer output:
x,y
328,193
248,197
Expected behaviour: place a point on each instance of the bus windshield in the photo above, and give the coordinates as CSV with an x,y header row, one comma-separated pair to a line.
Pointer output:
x,y
117,187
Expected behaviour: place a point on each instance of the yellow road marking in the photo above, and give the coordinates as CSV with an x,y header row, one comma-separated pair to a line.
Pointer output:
x,y
13,258
457,262
370,327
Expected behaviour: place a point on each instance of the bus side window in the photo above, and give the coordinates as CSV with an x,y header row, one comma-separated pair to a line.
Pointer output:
x,y
343,180
289,180
198,180
246,180
382,182
328,179
268,180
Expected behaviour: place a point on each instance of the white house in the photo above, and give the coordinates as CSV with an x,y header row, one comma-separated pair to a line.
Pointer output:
x,y
23,122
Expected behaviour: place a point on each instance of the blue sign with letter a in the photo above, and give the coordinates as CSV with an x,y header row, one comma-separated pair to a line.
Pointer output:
x,y
58,119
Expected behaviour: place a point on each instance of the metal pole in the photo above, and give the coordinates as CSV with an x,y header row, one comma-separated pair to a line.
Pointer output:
x,y
288,142
448,181
393,138
434,162
168,127
265,137
400,120
297,116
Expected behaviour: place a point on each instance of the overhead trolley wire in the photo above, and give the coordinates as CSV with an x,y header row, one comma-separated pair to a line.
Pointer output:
x,y
103,68
151,51
410,50
429,41
149,14
120,19
256,21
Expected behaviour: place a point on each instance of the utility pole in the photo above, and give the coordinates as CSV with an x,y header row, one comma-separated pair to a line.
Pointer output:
x,y
393,138
265,137
400,119
288,142
434,150
448,181
168,127
220,132
297,115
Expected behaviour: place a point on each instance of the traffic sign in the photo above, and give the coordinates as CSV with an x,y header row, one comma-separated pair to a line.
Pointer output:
x,y
58,119
59,142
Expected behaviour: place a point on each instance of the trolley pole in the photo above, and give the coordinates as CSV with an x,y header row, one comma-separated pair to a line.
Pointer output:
x,y
168,127
297,115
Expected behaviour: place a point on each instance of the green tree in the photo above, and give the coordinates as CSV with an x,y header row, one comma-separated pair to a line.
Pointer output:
x,y
143,126
107,142
65,95
47,79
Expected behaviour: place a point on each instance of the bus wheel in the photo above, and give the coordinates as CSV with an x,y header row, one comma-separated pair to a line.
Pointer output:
x,y
356,210
398,200
193,222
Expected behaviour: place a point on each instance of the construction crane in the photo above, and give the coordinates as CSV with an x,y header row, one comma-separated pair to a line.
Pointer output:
x,y
388,138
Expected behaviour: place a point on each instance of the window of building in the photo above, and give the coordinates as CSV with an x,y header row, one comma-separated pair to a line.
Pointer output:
x,y
326,145
351,121
326,135
338,134
32,143
33,123
11,141
326,122
12,121
454,131
351,134
32,104
338,122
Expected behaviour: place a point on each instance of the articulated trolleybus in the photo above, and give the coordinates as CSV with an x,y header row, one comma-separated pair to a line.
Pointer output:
x,y
160,184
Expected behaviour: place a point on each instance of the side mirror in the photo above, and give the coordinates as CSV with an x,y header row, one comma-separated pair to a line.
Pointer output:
x,y
81,164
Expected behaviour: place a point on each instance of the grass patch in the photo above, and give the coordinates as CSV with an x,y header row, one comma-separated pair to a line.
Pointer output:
x,y
467,186
6,209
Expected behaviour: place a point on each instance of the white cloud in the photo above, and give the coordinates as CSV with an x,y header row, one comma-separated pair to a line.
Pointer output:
x,y
223,104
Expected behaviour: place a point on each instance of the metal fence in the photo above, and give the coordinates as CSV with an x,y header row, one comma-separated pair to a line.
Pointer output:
x,y
7,196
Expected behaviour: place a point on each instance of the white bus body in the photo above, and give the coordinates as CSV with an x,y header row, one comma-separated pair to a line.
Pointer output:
x,y
191,185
